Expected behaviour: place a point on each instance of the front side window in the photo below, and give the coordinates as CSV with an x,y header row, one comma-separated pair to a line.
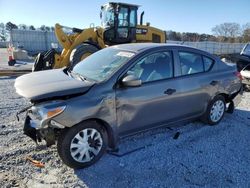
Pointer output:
x,y
102,64
156,66
191,63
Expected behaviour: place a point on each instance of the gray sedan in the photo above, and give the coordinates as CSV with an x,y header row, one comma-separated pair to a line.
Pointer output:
x,y
122,90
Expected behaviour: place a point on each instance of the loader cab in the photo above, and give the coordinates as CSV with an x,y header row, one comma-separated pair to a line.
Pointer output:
x,y
119,21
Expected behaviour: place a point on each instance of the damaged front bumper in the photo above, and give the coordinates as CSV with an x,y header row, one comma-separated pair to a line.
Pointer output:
x,y
38,125
38,134
29,130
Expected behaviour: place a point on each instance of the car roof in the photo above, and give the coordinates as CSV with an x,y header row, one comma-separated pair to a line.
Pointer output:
x,y
138,47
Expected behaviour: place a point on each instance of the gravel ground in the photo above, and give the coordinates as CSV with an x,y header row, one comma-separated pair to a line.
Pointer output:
x,y
201,156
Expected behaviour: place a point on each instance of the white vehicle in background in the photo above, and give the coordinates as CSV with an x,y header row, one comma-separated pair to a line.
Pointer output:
x,y
245,72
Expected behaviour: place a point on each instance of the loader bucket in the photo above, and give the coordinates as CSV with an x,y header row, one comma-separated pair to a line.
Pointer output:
x,y
44,60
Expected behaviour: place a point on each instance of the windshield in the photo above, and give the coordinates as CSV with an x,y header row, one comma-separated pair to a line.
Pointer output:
x,y
102,64
107,16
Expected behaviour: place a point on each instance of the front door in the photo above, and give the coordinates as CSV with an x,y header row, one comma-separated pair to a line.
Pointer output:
x,y
153,103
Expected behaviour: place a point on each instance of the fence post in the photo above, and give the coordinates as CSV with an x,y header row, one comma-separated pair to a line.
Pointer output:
x,y
46,40
11,37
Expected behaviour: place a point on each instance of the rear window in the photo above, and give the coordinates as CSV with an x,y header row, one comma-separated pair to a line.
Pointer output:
x,y
208,62
191,63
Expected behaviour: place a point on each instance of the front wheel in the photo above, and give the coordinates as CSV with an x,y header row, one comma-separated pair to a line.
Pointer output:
x,y
82,145
215,110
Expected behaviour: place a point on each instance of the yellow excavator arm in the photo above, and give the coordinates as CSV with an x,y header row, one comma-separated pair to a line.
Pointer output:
x,y
117,28
70,41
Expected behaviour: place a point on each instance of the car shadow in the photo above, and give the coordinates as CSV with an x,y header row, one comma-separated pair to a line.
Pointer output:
x,y
194,158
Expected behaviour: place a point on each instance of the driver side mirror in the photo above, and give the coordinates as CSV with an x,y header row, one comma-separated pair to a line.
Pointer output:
x,y
131,81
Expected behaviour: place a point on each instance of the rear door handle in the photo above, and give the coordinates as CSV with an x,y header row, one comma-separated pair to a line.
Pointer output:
x,y
214,82
169,91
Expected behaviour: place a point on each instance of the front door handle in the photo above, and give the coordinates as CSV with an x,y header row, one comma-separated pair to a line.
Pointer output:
x,y
214,82
169,91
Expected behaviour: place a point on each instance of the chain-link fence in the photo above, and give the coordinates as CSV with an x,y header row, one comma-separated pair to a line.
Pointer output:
x,y
214,47
37,41
3,44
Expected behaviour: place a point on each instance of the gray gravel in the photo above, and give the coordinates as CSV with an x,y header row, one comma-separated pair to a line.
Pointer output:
x,y
201,156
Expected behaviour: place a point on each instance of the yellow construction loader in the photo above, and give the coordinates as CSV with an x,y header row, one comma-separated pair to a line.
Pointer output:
x,y
118,26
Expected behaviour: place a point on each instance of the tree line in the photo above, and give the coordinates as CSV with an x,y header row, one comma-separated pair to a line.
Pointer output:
x,y
225,32
6,28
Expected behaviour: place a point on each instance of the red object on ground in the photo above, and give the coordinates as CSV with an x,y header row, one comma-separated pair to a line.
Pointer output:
x,y
11,58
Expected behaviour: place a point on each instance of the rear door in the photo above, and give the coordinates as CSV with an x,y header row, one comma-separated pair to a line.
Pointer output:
x,y
196,82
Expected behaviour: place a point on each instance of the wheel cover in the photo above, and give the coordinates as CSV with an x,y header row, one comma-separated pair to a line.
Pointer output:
x,y
86,144
217,111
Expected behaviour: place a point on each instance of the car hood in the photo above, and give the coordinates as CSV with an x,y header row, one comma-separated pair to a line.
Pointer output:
x,y
49,84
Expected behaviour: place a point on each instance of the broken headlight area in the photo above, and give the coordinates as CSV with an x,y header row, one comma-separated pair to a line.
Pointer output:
x,y
42,115
39,123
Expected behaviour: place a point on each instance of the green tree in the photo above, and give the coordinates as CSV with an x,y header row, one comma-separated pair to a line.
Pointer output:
x,y
43,28
47,28
9,26
22,27
3,34
31,27
246,32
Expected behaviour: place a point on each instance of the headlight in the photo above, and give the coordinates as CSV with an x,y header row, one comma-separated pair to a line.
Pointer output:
x,y
54,111
41,114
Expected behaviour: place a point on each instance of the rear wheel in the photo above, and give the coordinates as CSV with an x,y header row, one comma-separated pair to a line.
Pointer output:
x,y
246,87
81,52
82,145
215,111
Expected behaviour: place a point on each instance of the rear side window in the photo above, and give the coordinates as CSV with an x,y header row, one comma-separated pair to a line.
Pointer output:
x,y
191,63
207,63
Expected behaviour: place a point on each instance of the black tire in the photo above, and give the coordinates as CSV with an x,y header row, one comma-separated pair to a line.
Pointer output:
x,y
246,88
12,62
207,117
77,54
67,137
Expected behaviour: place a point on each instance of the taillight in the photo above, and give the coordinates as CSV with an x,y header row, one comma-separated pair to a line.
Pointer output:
x,y
238,74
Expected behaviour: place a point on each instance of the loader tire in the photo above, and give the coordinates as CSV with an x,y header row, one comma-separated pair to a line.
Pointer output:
x,y
81,52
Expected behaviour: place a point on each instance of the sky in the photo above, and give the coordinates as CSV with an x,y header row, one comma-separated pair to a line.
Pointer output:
x,y
178,15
